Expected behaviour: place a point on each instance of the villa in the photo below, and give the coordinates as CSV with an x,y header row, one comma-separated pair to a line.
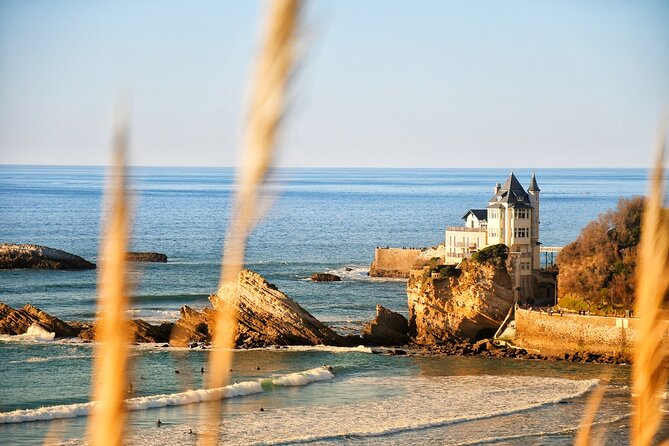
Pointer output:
x,y
511,218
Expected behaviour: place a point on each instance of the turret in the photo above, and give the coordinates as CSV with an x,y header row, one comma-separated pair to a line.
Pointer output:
x,y
533,192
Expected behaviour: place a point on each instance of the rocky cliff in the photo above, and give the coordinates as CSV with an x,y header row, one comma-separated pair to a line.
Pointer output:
x,y
266,317
13,256
449,304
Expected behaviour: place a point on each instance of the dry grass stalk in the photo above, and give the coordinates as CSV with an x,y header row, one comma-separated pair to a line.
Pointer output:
x,y
584,436
648,371
267,105
107,423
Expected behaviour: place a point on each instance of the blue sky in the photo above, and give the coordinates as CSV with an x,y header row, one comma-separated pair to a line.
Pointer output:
x,y
381,83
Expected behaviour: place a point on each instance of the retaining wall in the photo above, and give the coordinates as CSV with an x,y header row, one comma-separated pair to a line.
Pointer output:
x,y
393,262
570,332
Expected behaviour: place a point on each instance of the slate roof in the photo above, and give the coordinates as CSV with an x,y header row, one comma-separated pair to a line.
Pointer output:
x,y
480,214
534,187
511,193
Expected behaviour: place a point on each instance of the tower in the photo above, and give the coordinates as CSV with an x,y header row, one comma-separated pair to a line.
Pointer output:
x,y
534,191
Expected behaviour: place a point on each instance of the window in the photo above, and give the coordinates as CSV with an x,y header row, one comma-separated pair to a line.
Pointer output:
x,y
521,232
522,213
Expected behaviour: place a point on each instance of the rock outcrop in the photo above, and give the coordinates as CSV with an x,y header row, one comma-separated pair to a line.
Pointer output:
x,y
266,316
387,329
325,277
193,327
17,322
465,304
156,257
13,256
142,331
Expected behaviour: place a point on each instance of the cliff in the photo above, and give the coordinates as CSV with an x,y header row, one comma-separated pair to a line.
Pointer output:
x,y
266,316
446,303
13,256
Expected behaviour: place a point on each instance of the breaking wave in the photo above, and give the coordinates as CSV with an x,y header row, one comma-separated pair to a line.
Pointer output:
x,y
34,359
174,399
35,333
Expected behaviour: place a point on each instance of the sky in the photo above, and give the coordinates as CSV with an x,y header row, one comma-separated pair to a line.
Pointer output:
x,y
380,83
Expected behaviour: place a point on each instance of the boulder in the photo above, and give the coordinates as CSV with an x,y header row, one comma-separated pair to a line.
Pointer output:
x,y
13,256
325,277
16,322
387,329
267,317
468,306
155,257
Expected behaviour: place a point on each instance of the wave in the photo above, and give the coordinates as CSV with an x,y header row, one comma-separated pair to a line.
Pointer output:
x,y
154,316
360,274
37,359
174,399
34,334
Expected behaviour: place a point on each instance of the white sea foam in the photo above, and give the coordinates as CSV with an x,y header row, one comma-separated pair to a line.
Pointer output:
x,y
34,334
314,348
304,378
48,358
358,274
393,406
174,399
154,316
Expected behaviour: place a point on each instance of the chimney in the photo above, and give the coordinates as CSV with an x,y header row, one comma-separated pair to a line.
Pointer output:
x,y
497,188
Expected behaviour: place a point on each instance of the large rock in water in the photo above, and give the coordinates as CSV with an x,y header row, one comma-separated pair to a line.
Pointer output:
x,y
156,257
266,316
387,329
13,256
17,322
325,277
471,304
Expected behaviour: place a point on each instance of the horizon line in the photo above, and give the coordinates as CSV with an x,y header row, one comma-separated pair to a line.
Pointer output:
x,y
166,166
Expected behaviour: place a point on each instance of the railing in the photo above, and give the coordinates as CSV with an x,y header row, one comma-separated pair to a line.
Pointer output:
x,y
465,229
465,245
550,249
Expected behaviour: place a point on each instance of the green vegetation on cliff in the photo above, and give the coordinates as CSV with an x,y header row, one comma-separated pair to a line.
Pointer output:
x,y
597,270
496,255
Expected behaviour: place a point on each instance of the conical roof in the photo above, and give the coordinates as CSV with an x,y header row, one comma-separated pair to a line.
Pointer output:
x,y
534,187
511,193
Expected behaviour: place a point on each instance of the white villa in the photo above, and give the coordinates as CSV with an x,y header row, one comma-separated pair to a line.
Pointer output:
x,y
511,218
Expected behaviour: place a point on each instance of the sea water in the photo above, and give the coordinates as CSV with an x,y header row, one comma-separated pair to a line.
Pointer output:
x,y
315,220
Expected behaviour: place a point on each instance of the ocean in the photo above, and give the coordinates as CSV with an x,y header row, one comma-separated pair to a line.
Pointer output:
x,y
315,220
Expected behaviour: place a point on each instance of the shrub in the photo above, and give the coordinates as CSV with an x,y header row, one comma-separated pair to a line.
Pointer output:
x,y
494,254
600,265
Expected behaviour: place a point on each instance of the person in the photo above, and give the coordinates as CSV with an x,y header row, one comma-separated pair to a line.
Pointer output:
x,y
261,409
201,369
159,423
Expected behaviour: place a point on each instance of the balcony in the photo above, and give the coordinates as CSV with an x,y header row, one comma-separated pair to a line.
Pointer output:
x,y
465,229
465,245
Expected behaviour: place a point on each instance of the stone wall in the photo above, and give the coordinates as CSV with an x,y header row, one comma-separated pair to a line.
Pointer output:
x,y
393,262
570,333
